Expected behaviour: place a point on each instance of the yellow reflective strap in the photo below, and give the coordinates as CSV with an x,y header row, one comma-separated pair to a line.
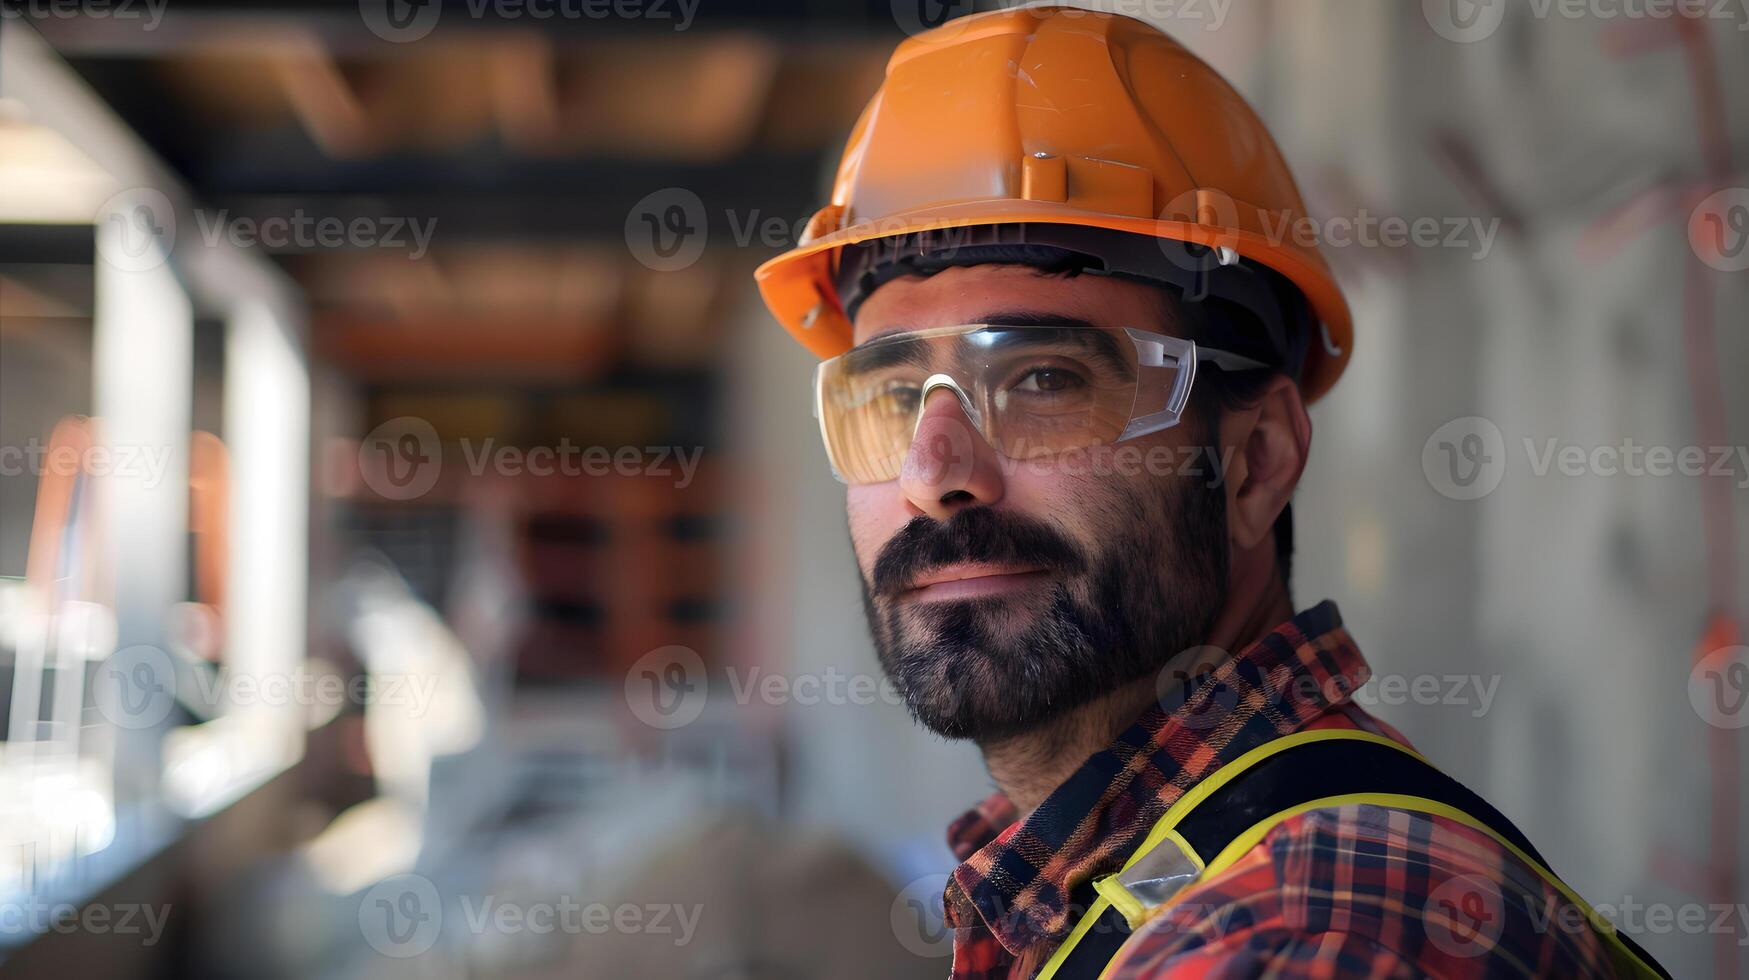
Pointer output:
x,y
1254,835
1233,770
1120,898
1055,963
1166,828
1135,911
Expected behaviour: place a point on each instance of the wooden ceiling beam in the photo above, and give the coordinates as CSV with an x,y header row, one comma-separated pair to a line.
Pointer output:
x,y
322,98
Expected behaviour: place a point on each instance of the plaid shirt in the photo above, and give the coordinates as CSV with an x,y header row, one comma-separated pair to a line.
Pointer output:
x,y
1358,890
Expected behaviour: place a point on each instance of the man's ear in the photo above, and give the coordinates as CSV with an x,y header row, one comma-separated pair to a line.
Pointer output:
x,y
1269,440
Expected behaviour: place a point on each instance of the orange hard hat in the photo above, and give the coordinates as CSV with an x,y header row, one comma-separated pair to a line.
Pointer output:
x,y
1058,116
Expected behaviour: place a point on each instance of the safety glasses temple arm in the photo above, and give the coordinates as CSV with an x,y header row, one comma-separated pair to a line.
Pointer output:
x,y
1228,361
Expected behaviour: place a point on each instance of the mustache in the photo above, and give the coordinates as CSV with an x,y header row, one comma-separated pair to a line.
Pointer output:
x,y
976,534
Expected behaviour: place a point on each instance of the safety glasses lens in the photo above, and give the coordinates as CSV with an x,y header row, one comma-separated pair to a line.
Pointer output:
x,y
1029,391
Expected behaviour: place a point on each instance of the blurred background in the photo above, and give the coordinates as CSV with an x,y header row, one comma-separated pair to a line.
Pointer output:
x,y
417,557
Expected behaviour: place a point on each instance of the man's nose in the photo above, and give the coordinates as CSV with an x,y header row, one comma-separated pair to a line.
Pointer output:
x,y
949,465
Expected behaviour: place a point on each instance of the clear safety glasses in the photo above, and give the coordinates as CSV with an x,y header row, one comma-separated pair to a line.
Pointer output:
x,y
1030,391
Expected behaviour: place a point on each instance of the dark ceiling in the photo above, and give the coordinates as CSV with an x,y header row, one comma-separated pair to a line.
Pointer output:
x,y
498,123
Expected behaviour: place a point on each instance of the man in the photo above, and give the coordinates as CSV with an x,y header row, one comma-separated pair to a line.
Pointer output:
x,y
1066,375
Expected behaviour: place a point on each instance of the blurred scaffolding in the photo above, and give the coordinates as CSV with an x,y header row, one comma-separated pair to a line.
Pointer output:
x,y
298,616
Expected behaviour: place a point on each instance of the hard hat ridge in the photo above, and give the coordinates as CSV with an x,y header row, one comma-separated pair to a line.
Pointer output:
x,y
1069,118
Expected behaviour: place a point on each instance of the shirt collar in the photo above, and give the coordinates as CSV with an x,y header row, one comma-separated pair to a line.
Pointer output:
x,y
1017,877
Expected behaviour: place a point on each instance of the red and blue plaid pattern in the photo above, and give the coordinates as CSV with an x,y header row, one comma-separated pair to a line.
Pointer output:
x,y
1368,891
1361,890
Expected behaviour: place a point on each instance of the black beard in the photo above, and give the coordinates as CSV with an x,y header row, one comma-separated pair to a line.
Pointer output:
x,y
1110,618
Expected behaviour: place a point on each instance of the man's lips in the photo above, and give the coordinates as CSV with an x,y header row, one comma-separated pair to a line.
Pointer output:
x,y
964,581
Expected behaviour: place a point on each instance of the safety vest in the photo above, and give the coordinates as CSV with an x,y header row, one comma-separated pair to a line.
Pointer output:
x,y
1227,814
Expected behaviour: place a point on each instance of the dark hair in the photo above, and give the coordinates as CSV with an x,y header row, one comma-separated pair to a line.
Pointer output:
x,y
1218,392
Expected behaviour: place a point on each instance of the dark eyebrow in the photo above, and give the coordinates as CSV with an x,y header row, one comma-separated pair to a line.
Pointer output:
x,y
1029,318
873,355
1003,318
1102,344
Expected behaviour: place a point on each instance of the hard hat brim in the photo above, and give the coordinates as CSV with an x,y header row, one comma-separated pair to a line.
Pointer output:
x,y
798,285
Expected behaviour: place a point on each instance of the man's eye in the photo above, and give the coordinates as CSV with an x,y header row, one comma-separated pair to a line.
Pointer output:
x,y
892,396
1049,380
901,399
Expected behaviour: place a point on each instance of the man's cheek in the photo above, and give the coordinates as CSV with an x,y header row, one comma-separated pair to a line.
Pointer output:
x,y
1063,489
1091,466
868,531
